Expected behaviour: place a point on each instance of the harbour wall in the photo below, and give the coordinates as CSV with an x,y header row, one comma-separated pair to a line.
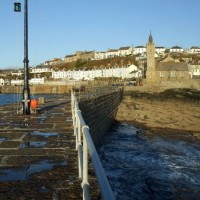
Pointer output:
x,y
99,113
165,85
37,89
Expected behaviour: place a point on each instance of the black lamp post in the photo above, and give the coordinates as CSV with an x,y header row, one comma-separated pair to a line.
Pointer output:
x,y
26,90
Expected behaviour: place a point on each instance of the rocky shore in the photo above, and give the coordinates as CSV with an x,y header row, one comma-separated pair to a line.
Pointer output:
x,y
173,113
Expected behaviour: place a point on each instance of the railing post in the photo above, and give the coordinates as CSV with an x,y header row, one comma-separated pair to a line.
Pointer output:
x,y
85,184
80,160
79,147
73,108
76,128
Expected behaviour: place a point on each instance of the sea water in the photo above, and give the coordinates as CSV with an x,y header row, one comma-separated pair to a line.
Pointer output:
x,y
17,98
142,168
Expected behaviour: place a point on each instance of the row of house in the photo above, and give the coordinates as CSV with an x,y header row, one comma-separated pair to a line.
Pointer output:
x,y
130,71
32,81
20,81
122,51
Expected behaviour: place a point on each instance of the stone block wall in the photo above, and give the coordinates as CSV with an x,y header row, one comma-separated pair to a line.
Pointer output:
x,y
38,89
99,113
165,85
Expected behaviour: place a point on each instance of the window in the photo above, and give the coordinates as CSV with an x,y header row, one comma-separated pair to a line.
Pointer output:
x,y
181,74
162,75
172,74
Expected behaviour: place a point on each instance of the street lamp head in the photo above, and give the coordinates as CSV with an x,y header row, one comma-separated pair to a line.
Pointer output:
x,y
17,7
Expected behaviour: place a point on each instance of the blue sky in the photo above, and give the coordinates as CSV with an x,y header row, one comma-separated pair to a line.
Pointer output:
x,y
60,27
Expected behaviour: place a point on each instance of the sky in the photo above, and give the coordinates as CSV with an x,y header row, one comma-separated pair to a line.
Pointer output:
x,y
61,27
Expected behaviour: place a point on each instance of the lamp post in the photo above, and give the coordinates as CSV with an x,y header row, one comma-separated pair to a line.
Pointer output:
x,y
26,90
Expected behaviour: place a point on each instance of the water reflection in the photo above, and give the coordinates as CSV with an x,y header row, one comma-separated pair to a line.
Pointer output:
x,y
23,173
44,134
143,168
31,144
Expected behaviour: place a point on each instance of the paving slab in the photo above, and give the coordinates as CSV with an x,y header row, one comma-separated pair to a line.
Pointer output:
x,y
38,159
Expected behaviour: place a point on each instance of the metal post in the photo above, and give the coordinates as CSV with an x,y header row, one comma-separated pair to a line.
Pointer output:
x,y
26,90
85,184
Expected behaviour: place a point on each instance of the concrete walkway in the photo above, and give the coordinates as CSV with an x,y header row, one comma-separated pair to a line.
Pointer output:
x,y
38,159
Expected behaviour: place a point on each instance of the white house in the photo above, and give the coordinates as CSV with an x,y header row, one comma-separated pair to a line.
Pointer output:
x,y
160,50
139,50
17,73
62,74
125,51
17,82
32,81
100,55
121,72
194,70
133,71
176,49
111,53
36,81
2,82
194,50
39,70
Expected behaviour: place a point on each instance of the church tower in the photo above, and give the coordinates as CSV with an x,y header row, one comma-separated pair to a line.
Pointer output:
x,y
151,64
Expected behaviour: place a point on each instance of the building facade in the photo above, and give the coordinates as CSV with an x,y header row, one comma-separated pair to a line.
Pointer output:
x,y
166,69
176,49
194,69
125,51
2,82
130,71
194,50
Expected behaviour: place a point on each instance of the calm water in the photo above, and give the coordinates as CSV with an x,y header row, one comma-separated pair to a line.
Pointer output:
x,y
15,98
9,98
140,168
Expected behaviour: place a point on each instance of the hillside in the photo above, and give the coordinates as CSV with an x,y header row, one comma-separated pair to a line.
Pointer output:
x,y
96,64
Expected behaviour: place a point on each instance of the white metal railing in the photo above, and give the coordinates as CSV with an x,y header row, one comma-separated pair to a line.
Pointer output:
x,y
85,145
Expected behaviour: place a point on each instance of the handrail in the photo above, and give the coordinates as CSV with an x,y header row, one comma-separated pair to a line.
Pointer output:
x,y
84,147
95,91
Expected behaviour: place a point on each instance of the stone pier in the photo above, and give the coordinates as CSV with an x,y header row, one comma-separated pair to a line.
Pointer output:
x,y
38,159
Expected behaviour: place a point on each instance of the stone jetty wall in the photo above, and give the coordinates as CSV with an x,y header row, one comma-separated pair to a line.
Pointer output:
x,y
38,89
99,113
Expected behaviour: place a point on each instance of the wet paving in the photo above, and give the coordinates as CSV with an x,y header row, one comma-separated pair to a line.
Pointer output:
x,y
38,159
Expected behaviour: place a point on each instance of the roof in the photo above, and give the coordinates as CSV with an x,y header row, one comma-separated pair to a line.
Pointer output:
x,y
160,48
195,47
112,50
150,39
69,56
171,66
167,58
88,52
139,47
176,47
124,48
195,64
